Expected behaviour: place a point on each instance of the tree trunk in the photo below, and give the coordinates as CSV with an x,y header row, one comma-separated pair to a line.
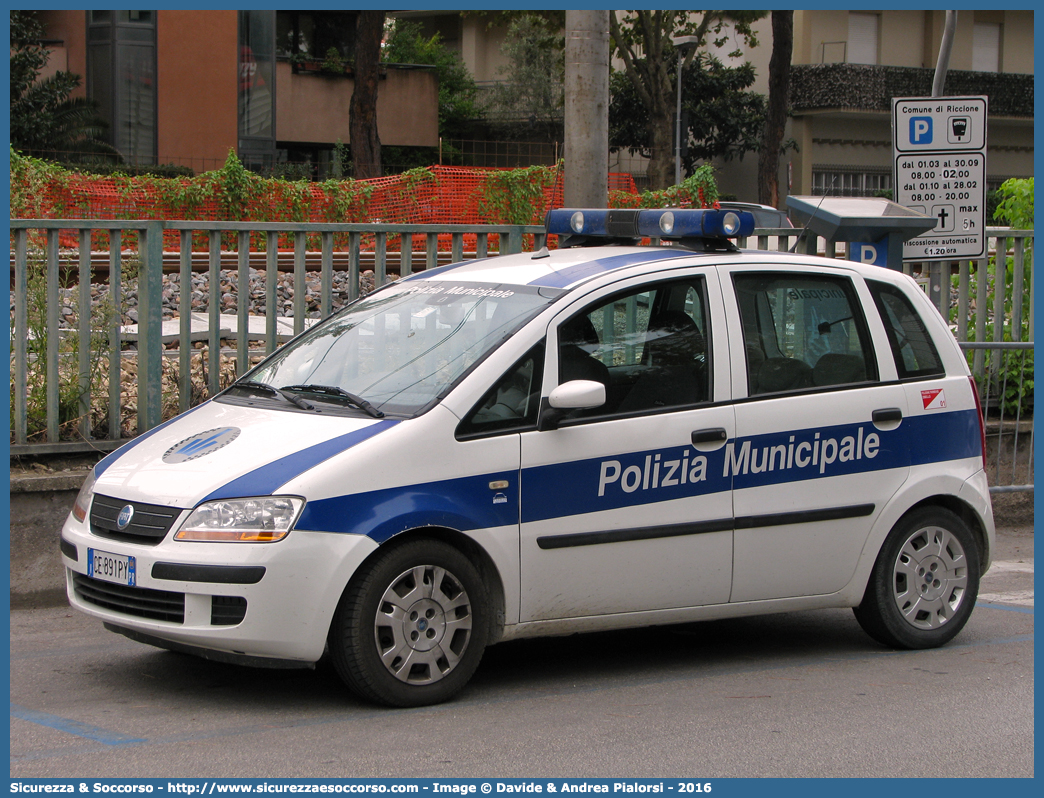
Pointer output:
x,y
362,113
661,144
776,115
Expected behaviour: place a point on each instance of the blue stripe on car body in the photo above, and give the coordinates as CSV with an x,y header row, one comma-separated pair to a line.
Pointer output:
x,y
572,488
790,456
464,504
268,478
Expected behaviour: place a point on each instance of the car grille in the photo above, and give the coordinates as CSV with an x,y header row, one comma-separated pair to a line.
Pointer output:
x,y
148,526
158,605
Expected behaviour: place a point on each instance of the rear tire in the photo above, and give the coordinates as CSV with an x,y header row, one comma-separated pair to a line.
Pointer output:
x,y
925,582
410,629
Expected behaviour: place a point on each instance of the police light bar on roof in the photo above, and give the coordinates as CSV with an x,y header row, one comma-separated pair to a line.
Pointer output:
x,y
677,223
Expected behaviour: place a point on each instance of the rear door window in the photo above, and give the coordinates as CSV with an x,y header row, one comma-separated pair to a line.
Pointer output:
x,y
802,331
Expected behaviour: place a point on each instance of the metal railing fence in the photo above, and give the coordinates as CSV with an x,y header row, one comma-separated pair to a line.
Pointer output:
x,y
81,351
1005,391
86,367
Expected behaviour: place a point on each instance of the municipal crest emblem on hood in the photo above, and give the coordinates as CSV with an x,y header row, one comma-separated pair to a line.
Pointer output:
x,y
200,445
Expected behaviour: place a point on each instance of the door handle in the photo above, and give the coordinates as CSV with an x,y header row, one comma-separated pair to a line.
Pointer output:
x,y
714,435
887,415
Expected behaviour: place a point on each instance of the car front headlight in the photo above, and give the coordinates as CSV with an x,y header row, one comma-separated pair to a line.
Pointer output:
x,y
262,519
83,498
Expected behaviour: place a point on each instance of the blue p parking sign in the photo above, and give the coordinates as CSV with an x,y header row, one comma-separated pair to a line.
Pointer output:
x,y
875,253
920,130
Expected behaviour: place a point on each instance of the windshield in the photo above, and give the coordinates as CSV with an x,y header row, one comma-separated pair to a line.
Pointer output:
x,y
401,348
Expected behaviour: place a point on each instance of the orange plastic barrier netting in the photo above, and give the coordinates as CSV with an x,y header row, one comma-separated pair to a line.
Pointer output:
x,y
437,195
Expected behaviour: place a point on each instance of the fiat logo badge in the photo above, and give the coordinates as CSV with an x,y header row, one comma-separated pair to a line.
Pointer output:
x,y
125,516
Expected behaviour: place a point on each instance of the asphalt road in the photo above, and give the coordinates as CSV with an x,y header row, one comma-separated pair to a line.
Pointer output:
x,y
793,695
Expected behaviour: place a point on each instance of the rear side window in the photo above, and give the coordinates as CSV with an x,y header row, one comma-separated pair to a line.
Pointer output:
x,y
802,331
915,354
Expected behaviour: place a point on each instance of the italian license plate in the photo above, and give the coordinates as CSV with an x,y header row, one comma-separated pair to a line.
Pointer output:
x,y
109,567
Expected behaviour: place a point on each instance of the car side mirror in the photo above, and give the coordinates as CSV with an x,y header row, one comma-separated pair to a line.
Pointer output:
x,y
572,395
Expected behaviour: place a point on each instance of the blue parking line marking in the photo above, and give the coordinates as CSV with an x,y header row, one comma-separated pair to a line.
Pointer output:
x,y
1008,607
73,727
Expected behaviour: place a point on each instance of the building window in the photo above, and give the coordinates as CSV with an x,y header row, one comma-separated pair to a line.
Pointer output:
x,y
257,133
315,33
849,181
862,38
986,44
121,78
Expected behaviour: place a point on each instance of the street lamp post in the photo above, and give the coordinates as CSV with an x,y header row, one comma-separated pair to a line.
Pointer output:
x,y
684,45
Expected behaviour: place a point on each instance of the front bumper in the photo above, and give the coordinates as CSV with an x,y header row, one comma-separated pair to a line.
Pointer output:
x,y
247,600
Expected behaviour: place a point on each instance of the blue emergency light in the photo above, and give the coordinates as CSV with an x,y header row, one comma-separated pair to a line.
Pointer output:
x,y
595,226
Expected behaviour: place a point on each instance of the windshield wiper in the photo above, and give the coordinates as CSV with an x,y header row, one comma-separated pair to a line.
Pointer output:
x,y
264,386
333,391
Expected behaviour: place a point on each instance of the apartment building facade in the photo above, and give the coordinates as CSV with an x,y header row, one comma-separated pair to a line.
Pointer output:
x,y
187,86
846,67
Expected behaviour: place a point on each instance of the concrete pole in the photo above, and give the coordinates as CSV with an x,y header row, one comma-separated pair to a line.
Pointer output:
x,y
938,271
586,109
943,62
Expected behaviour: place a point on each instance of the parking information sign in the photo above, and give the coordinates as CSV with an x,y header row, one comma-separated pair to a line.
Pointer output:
x,y
940,170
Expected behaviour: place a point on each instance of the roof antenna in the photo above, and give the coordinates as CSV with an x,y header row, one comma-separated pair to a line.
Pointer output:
x,y
804,230
544,252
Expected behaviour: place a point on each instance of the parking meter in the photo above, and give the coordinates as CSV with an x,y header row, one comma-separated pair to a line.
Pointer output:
x,y
874,226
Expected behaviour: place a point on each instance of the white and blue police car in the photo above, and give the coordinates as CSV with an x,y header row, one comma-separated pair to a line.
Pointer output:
x,y
601,436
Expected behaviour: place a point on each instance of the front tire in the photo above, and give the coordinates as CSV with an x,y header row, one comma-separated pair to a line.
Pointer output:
x,y
411,628
925,582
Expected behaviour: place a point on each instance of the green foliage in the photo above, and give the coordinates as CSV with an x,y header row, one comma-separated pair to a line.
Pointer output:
x,y
698,190
235,184
1016,204
42,189
642,41
341,163
722,119
1016,382
30,182
552,20
45,119
1014,373
417,177
333,62
531,89
653,30
458,108
516,196
37,334
346,197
